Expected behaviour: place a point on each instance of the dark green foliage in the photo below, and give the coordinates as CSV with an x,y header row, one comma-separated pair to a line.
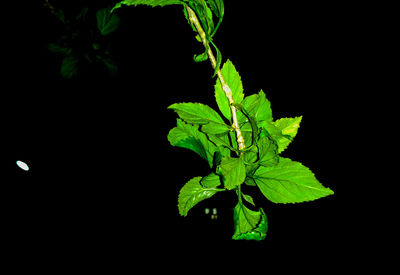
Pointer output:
x,y
83,43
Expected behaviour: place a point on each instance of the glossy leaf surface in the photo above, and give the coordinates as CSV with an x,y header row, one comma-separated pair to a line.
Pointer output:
x,y
289,182
192,193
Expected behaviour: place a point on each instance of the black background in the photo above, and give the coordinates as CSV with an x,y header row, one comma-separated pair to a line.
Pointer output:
x,y
103,179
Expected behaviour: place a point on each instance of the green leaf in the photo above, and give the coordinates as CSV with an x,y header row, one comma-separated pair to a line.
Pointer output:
x,y
152,3
255,112
201,57
211,181
214,129
288,128
233,171
219,154
82,14
217,6
192,193
251,155
268,152
249,180
110,64
248,198
69,66
189,137
250,135
196,113
289,182
258,106
55,48
106,21
204,15
283,131
249,224
222,140
245,218
234,81
208,16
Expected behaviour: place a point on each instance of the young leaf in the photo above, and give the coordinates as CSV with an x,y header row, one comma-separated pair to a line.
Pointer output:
x,y
189,137
204,15
289,182
248,198
233,171
289,128
152,3
200,58
217,6
268,152
107,22
192,193
283,131
258,106
234,81
208,16
258,233
196,113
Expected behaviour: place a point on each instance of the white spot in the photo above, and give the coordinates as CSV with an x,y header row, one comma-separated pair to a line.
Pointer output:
x,y
206,211
23,165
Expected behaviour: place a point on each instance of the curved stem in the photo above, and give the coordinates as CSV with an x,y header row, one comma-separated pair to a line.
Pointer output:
x,y
227,90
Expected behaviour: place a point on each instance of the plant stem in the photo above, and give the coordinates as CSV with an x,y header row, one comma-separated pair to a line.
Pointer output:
x,y
239,194
227,90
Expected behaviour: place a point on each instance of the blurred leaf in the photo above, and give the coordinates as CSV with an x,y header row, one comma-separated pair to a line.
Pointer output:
x,y
82,14
69,66
55,48
111,65
106,21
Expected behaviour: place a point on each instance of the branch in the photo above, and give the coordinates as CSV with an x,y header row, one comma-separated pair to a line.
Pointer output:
x,y
228,92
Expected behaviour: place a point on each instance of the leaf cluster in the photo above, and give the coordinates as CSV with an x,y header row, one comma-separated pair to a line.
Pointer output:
x,y
209,134
82,42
